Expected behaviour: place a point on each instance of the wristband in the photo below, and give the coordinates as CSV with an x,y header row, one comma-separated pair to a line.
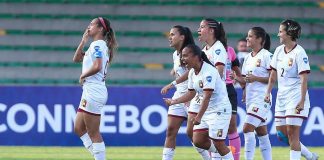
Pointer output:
x,y
174,83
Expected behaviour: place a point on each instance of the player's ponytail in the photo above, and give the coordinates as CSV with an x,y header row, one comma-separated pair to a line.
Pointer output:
x,y
267,42
196,51
219,32
188,38
259,32
109,36
112,44
205,58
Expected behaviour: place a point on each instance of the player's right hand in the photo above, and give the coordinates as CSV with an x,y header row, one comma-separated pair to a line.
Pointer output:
x,y
85,36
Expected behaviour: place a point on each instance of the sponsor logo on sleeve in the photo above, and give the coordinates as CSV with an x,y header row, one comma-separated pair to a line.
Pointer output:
x,y
305,59
97,53
217,51
209,78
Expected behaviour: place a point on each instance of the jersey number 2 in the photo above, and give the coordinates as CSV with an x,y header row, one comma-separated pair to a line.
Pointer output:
x,y
282,72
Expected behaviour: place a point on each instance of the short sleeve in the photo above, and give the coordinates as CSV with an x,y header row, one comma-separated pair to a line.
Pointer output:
x,y
190,80
209,80
273,63
267,60
302,62
244,66
220,57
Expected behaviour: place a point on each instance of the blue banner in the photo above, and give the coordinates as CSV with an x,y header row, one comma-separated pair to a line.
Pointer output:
x,y
133,116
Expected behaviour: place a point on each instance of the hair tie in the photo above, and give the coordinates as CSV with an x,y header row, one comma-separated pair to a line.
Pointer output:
x,y
103,23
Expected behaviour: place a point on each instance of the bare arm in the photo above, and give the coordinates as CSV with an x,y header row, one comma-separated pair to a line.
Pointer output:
x,y
79,53
180,79
272,80
303,78
95,68
204,106
184,98
220,69
252,78
238,76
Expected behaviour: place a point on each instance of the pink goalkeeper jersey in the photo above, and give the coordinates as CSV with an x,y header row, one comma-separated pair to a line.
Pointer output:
x,y
231,56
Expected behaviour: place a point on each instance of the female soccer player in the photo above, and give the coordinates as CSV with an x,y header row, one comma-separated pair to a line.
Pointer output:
x,y
256,69
290,66
95,62
179,37
213,34
212,121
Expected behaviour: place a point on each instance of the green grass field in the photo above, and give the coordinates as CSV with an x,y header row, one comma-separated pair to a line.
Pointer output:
x,y
119,153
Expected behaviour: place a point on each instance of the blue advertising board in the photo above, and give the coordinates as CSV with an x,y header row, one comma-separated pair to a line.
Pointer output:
x,y
133,116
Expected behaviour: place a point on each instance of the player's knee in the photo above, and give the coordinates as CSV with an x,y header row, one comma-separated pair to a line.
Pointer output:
x,y
247,129
282,137
79,131
198,144
171,131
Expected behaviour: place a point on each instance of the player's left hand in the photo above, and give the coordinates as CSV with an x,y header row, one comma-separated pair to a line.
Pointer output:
x,y
300,106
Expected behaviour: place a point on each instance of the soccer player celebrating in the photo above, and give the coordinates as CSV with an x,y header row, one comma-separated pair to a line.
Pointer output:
x,y
179,37
290,66
213,34
256,69
212,121
95,62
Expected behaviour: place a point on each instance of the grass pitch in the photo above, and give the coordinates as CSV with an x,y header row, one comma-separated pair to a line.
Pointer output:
x,y
121,153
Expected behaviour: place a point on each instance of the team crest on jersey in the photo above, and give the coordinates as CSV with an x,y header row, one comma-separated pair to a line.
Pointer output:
x,y
83,103
258,63
290,62
201,84
218,51
209,78
305,60
255,109
219,132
